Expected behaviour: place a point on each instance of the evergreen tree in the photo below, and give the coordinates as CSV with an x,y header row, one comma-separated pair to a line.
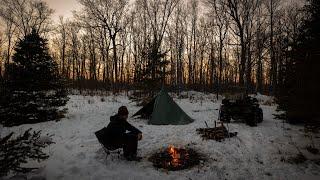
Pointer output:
x,y
300,93
154,74
15,152
33,90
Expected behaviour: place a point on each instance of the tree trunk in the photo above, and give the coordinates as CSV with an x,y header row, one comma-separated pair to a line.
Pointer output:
x,y
242,60
115,58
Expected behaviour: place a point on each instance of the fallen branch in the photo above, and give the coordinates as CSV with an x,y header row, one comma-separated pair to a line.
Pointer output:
x,y
17,151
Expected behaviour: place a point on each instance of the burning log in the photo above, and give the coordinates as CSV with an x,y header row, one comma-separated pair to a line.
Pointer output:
x,y
174,159
216,133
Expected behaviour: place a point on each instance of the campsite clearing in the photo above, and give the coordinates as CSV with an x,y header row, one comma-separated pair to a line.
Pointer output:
x,y
255,153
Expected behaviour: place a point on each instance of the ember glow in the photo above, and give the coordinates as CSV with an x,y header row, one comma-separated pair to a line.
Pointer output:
x,y
173,158
179,156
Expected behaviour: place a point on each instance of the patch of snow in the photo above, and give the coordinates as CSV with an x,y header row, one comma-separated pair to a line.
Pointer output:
x,y
37,178
45,140
19,177
256,152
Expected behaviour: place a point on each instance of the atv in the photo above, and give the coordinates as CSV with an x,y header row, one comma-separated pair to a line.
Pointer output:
x,y
244,109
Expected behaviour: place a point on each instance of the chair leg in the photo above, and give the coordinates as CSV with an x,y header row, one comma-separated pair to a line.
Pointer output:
x,y
107,152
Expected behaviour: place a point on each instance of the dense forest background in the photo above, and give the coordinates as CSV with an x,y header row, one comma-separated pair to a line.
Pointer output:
x,y
220,46
210,45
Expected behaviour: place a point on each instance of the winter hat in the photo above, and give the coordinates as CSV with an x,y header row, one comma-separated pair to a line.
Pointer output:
x,y
123,111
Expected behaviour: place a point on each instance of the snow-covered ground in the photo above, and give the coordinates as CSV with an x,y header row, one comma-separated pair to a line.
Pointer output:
x,y
256,153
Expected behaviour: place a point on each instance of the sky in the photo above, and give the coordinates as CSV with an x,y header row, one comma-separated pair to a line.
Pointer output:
x,y
63,7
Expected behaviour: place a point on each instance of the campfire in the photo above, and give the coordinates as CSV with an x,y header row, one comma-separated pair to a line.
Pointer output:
x,y
173,158
178,156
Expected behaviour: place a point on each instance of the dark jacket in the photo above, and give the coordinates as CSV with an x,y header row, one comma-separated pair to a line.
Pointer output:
x,y
118,127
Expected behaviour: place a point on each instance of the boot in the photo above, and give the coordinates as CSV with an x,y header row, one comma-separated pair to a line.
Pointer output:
x,y
133,157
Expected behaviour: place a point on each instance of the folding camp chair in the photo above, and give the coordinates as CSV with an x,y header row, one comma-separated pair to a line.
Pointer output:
x,y
110,152
101,136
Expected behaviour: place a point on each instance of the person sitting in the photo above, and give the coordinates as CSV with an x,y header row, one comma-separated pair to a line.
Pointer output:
x,y
121,134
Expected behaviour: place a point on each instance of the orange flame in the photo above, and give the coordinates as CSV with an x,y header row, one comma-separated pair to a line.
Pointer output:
x,y
175,156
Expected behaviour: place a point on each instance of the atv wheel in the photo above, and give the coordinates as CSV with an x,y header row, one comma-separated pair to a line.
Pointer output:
x,y
251,120
259,115
224,116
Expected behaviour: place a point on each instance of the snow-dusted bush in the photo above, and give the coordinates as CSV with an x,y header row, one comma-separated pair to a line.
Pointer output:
x,y
14,152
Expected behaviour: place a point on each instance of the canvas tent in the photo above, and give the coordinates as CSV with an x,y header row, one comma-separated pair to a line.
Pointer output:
x,y
162,110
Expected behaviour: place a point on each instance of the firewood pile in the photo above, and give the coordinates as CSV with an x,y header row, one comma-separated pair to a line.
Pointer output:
x,y
313,126
174,159
216,133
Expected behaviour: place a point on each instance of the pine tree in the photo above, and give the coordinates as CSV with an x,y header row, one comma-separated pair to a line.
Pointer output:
x,y
14,152
301,89
33,90
153,76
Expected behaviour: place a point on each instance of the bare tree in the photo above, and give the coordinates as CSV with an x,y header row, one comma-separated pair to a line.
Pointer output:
x,y
241,13
202,46
75,48
158,15
1,53
9,29
177,34
192,49
272,8
260,46
62,30
109,14
27,15
221,19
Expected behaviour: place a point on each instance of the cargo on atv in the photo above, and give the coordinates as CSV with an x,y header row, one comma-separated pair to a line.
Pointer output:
x,y
244,109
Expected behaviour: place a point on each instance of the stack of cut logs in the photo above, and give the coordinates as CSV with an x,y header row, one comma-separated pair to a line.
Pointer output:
x,y
216,133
